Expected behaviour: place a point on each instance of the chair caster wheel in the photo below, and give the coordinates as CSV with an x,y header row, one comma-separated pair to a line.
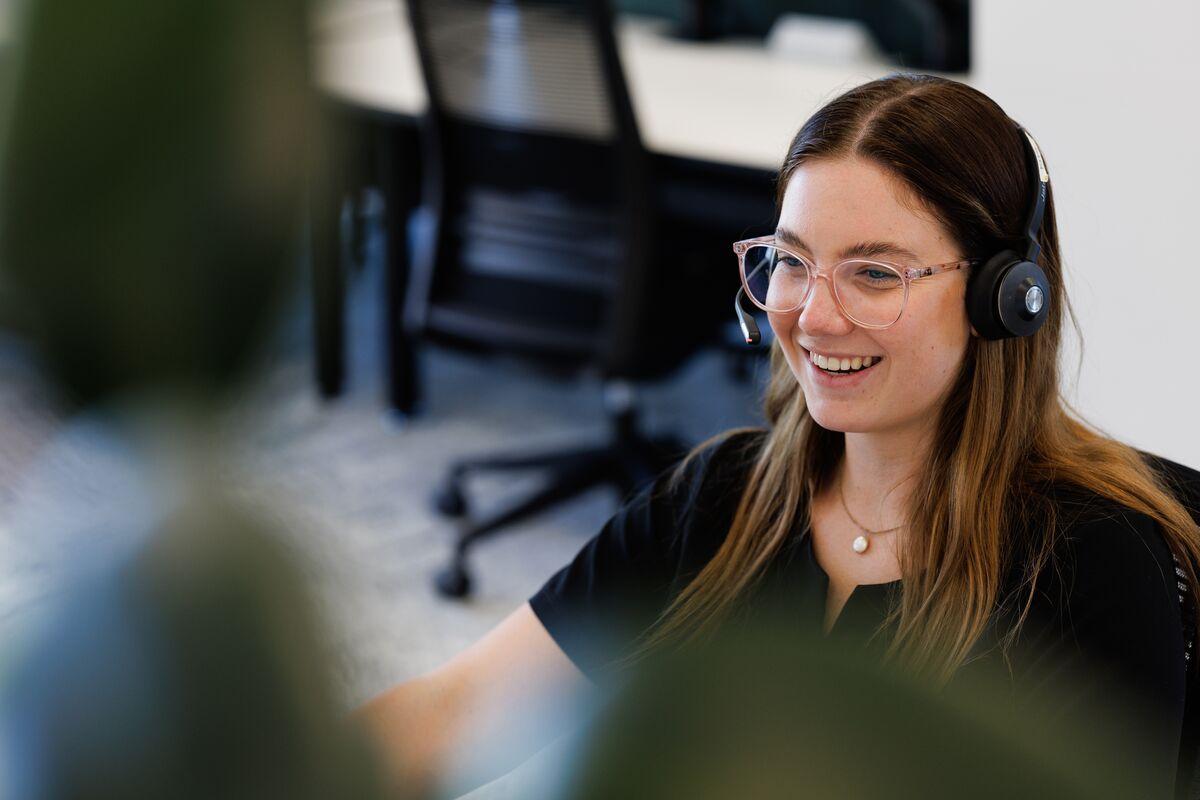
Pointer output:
x,y
453,581
449,500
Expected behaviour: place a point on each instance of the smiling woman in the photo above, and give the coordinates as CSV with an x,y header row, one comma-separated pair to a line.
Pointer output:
x,y
954,452
838,201
920,485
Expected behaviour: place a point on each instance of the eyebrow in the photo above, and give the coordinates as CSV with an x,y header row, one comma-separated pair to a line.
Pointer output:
x,y
860,250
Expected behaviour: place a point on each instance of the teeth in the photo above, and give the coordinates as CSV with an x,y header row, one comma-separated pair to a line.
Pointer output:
x,y
841,364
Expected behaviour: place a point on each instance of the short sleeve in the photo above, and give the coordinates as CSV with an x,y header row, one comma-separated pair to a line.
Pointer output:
x,y
1107,637
621,580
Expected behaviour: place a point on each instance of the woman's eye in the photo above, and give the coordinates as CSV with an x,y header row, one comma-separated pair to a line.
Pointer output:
x,y
790,261
880,278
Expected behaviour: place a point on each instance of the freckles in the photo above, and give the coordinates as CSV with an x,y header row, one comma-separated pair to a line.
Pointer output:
x,y
782,324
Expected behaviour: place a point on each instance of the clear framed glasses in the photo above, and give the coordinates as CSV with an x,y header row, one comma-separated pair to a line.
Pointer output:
x,y
870,293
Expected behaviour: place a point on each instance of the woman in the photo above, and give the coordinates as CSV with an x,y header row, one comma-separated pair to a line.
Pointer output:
x,y
943,496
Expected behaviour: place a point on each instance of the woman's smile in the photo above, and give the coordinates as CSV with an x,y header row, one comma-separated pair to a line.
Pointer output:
x,y
839,372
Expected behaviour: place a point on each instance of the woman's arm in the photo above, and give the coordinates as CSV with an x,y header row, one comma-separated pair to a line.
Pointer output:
x,y
500,700
508,694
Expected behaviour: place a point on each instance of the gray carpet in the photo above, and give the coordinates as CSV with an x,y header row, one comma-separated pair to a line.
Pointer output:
x,y
348,484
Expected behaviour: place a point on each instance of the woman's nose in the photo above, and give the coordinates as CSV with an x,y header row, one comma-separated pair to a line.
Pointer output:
x,y
821,314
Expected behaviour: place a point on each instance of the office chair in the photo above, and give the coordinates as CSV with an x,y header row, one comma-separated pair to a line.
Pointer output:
x,y
541,234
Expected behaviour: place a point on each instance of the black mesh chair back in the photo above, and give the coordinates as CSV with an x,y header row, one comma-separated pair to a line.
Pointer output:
x,y
537,184
524,65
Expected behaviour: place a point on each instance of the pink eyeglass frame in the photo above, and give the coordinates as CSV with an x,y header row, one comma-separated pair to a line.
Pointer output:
x,y
907,275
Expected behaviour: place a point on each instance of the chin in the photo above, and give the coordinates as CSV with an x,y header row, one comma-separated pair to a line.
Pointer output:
x,y
831,420
845,428
842,423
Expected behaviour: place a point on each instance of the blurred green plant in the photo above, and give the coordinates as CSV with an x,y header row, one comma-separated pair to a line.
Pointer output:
x,y
153,168
764,713
151,184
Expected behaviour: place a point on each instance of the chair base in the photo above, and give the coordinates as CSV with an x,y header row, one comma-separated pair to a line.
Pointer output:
x,y
628,461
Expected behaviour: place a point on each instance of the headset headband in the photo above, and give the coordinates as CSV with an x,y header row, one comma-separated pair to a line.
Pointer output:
x,y
1007,294
1033,224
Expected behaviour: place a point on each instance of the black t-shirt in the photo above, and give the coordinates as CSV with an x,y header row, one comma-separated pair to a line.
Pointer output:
x,y
1113,602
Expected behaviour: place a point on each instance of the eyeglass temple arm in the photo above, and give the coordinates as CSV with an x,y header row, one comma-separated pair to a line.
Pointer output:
x,y
749,326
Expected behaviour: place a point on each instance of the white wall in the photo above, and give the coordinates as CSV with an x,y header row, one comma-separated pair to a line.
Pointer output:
x,y
1111,91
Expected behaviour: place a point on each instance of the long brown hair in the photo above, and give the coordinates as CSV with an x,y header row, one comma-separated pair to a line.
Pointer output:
x,y
1004,434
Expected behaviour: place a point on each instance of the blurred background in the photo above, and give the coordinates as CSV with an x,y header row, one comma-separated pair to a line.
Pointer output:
x,y
433,285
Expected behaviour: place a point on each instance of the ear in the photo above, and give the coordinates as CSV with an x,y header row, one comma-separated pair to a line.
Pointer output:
x,y
974,333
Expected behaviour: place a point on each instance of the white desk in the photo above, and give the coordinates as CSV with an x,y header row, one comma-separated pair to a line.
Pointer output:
x,y
728,102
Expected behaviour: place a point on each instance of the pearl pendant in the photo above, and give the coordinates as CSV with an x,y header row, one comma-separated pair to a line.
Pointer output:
x,y
860,544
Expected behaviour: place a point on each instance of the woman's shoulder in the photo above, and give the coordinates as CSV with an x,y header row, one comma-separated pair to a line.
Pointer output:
x,y
1115,549
1073,507
1107,625
1094,526
713,470
624,576
1183,481
1111,594
1113,562
687,510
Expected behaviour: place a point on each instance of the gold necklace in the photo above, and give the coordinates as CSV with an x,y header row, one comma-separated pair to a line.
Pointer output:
x,y
861,543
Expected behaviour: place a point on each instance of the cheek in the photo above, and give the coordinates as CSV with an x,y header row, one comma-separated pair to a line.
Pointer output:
x,y
928,348
933,367
784,327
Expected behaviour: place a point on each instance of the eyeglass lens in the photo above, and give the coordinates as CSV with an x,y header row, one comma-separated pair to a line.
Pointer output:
x,y
869,292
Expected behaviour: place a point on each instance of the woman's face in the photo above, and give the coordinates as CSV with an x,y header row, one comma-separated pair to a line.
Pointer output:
x,y
829,207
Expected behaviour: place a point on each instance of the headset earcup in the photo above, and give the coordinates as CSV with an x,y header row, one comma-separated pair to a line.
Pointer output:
x,y
1022,311
996,297
983,292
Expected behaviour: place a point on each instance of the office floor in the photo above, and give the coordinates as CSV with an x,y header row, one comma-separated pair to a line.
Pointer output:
x,y
348,484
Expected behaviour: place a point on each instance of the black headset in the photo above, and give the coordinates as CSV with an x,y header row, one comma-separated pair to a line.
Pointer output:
x,y
1007,294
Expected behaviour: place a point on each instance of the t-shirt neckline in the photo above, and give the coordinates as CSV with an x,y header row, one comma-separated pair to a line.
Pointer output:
x,y
811,556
